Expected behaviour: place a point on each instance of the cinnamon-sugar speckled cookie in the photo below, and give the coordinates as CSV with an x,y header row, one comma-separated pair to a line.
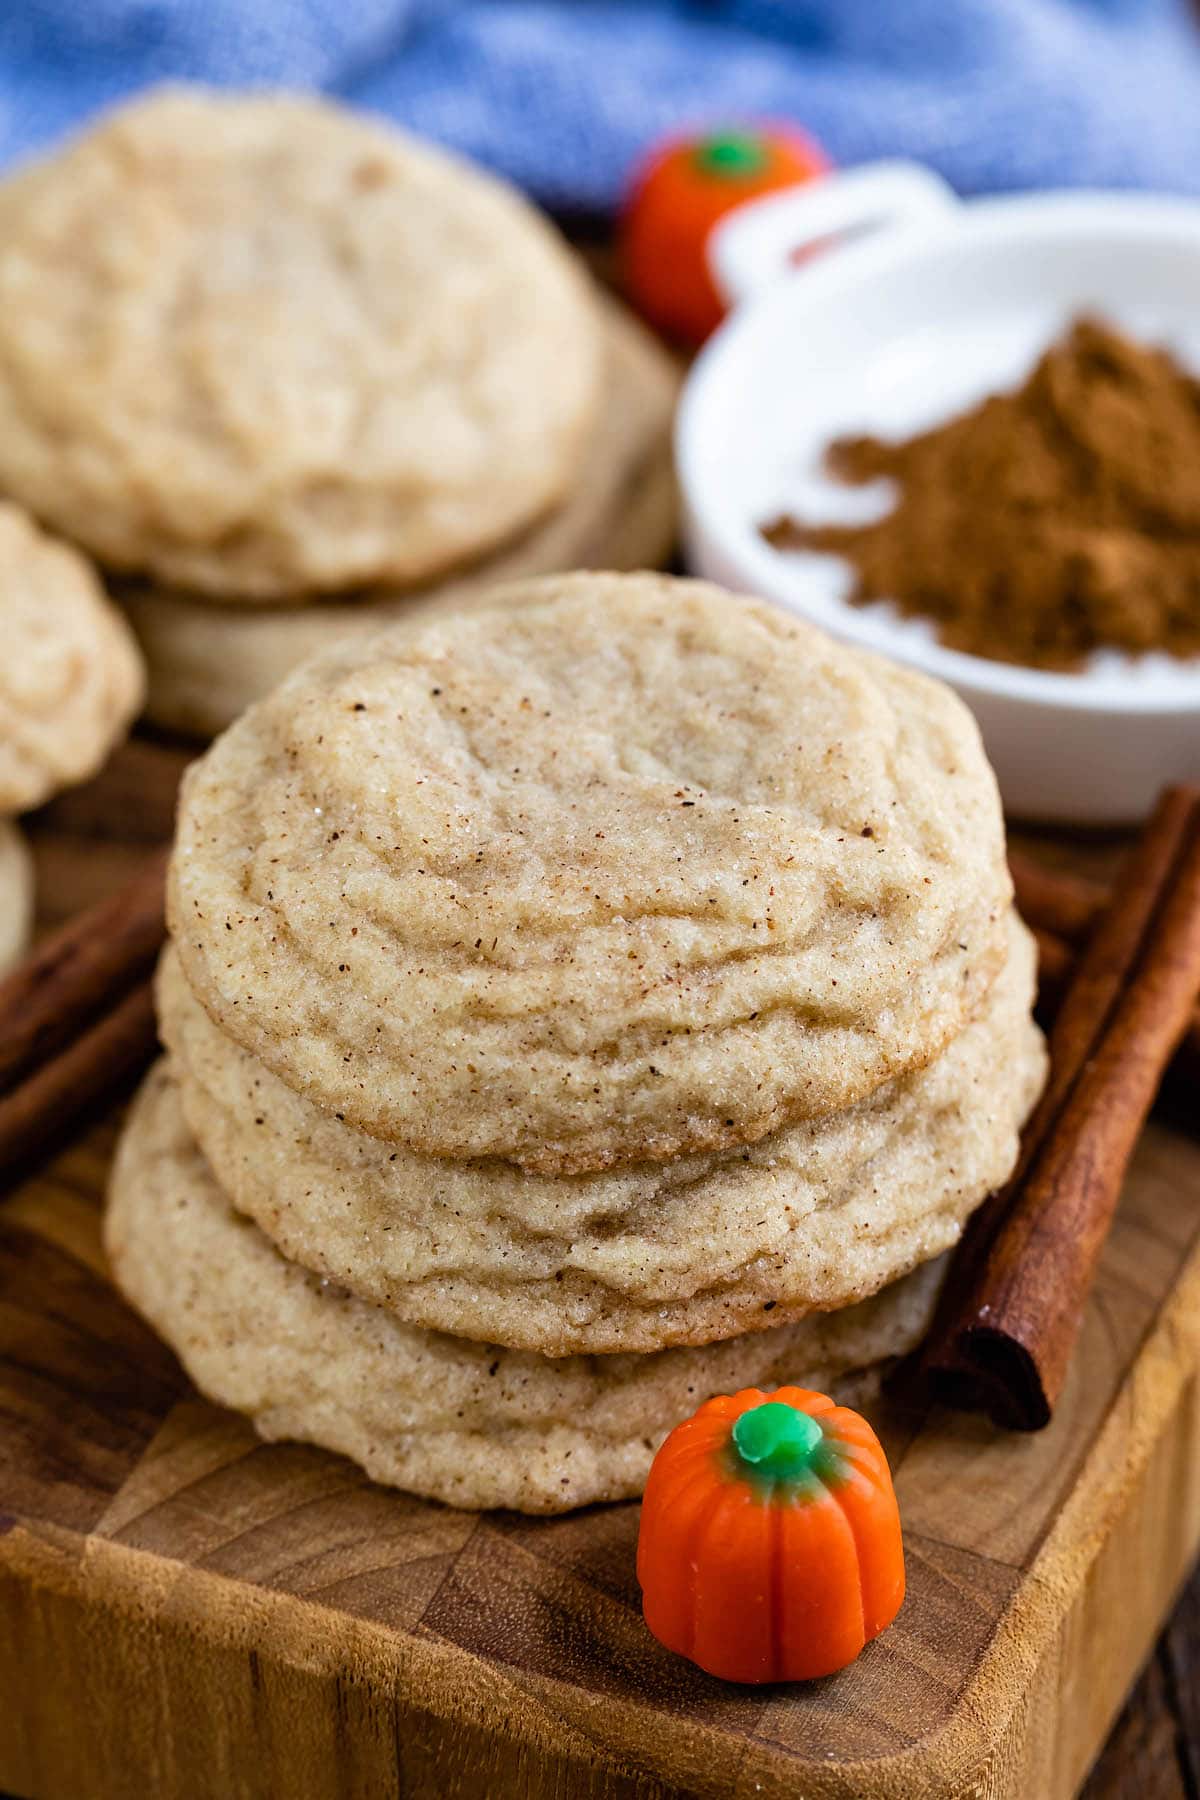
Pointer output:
x,y
259,346
462,1422
815,1216
617,869
208,663
71,678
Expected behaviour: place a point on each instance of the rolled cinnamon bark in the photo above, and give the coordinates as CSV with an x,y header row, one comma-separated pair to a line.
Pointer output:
x,y
1019,1283
80,971
39,1115
77,1018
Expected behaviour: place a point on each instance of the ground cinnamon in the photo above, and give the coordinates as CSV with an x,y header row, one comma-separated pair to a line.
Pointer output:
x,y
1044,524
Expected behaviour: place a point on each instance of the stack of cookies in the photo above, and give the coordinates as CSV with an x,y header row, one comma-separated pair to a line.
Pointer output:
x,y
71,681
574,1007
287,374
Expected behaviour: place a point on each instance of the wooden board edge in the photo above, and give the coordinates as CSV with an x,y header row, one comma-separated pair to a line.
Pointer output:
x,y
176,1641
1005,1741
1122,1546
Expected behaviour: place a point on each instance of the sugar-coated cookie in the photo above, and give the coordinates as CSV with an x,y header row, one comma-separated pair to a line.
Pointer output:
x,y
71,677
817,1215
208,663
259,345
618,868
462,1422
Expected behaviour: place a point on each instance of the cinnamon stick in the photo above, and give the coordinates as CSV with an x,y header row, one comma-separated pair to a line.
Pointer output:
x,y
1067,905
79,971
77,1019
1018,1286
1055,966
1060,908
39,1116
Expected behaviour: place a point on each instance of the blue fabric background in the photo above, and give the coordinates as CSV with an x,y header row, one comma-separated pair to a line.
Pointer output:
x,y
562,96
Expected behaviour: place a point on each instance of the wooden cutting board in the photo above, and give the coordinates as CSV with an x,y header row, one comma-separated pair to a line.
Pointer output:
x,y
187,1612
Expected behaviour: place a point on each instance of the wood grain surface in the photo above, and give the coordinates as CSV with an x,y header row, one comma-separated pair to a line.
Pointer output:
x,y
187,1612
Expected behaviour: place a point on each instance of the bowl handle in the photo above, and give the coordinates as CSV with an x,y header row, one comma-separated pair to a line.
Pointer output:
x,y
760,241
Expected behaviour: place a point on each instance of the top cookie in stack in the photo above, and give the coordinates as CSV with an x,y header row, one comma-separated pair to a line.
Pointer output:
x,y
596,989
624,871
292,353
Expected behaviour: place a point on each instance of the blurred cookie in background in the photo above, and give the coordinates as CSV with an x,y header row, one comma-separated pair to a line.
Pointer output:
x,y
16,894
71,683
290,349
71,678
208,663
310,374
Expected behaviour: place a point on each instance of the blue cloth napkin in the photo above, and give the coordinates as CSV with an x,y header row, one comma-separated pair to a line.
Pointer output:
x,y
564,96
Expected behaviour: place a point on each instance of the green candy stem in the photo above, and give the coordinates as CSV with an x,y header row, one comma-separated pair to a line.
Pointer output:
x,y
776,1440
735,154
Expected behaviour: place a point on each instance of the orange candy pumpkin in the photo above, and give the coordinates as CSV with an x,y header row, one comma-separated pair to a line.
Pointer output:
x,y
677,197
770,1545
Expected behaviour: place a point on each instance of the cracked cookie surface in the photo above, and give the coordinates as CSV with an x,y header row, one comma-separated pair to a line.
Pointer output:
x,y
262,346
207,663
815,1216
466,1423
619,868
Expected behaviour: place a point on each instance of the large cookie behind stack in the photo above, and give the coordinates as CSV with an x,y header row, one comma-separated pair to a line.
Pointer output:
x,y
576,1006
258,345
289,374
208,663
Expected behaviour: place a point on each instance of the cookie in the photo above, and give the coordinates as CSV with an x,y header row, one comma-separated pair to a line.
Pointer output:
x,y
815,1216
261,346
462,1422
208,663
16,895
71,677
614,869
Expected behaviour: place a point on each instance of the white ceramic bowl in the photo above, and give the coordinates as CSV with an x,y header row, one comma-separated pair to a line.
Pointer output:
x,y
924,306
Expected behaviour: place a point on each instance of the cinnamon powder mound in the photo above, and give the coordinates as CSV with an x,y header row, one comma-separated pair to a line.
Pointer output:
x,y
1043,524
